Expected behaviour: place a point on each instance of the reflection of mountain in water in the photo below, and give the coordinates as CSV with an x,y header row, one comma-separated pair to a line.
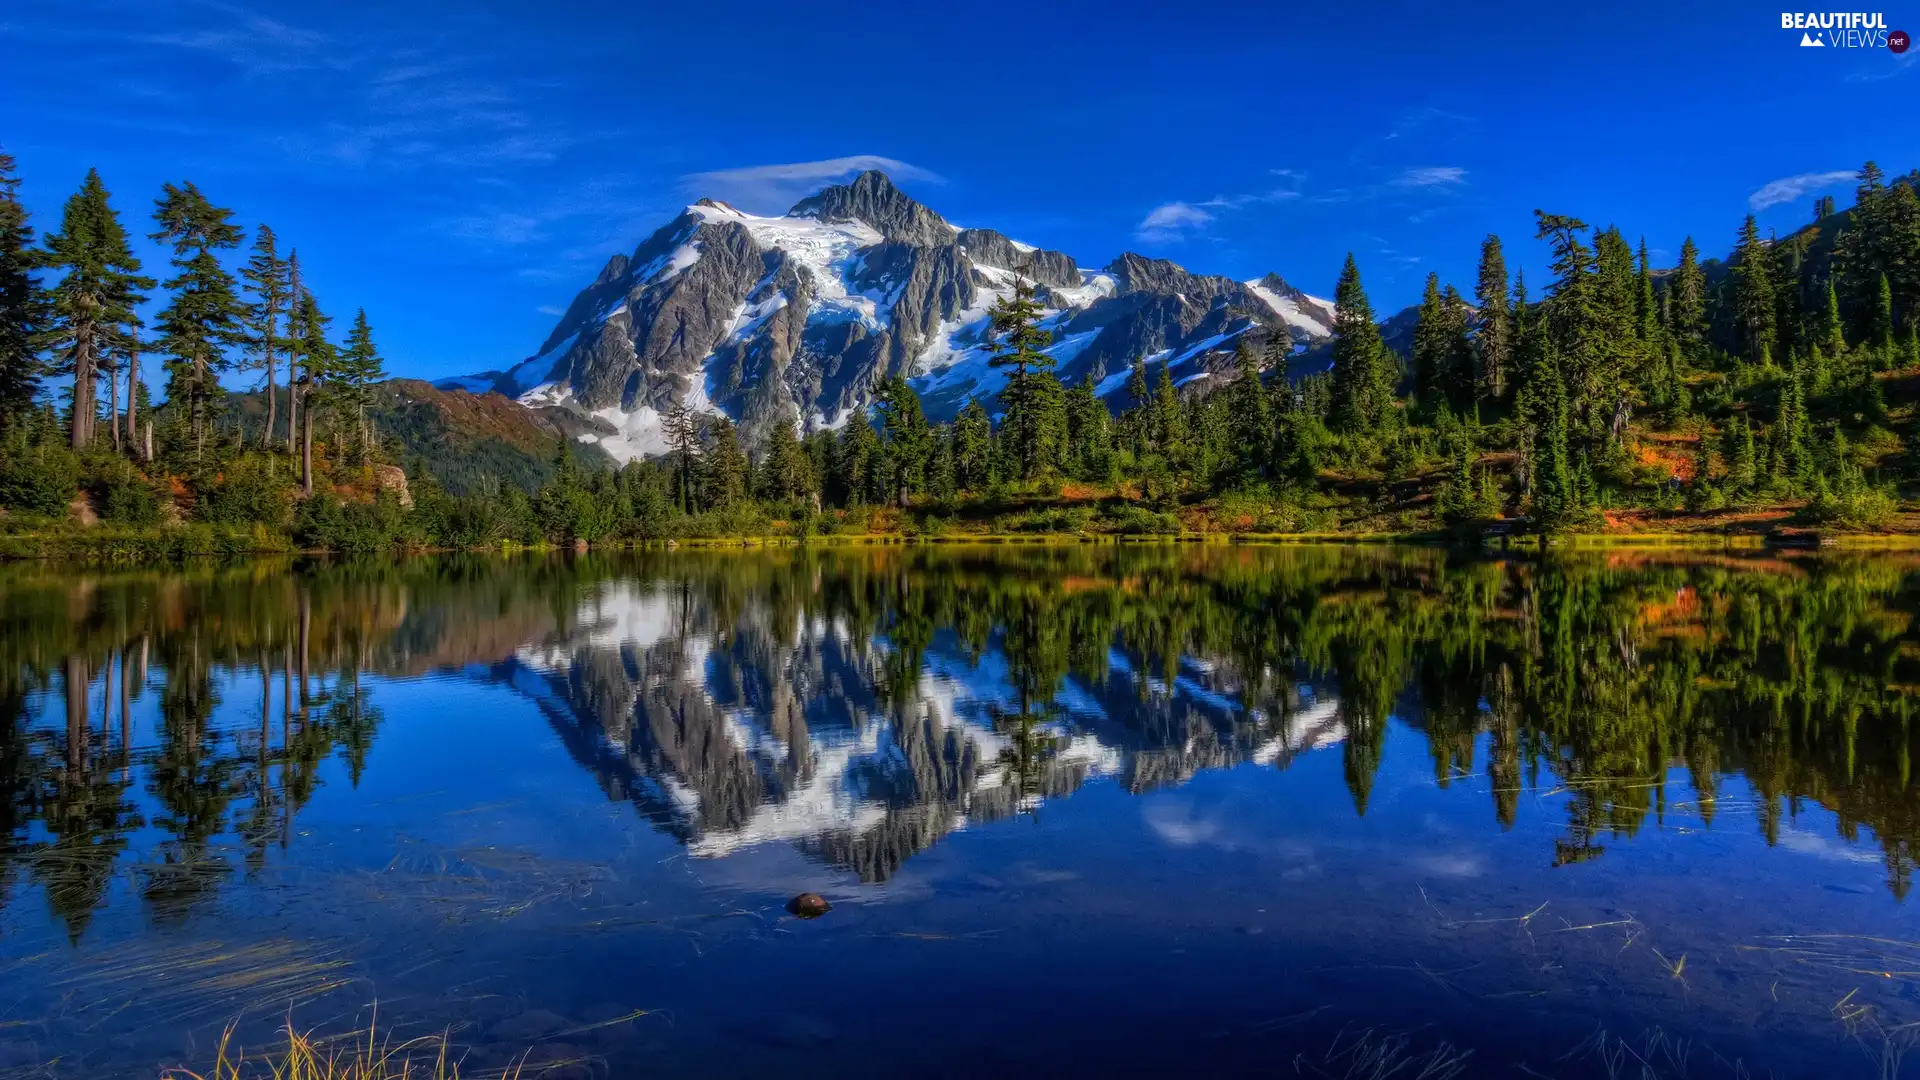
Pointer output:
x,y
743,729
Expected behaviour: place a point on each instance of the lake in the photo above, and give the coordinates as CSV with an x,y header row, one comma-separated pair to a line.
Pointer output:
x,y
1124,810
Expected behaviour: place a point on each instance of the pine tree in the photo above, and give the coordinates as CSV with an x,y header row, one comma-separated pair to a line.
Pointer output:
x,y
973,448
1249,419
1139,414
682,432
205,315
1737,448
1621,351
93,302
1088,424
318,361
1826,331
1572,321
727,469
1362,370
1792,435
1689,304
266,275
1646,312
1880,330
1494,344
1753,302
1557,495
782,474
1017,345
23,305
857,462
908,439
1170,424
361,366
1431,346
1457,355
296,290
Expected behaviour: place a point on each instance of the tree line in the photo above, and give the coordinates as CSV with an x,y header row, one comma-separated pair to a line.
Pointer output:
x,y
1759,380
70,311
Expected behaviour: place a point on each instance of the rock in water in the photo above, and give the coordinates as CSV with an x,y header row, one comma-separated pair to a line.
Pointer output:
x,y
809,905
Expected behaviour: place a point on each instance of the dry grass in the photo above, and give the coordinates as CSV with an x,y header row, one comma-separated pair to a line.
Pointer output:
x,y
359,1055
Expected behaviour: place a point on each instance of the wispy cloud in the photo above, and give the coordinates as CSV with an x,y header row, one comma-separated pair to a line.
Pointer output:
x,y
550,309
1430,176
1172,222
1179,220
255,44
1788,188
774,188
1893,67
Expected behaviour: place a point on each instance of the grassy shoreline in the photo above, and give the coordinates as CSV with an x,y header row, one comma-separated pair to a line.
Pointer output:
x,y
105,544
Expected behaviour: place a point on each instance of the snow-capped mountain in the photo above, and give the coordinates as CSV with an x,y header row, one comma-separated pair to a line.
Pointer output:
x,y
792,320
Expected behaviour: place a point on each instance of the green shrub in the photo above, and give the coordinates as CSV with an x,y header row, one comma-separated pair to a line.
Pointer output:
x,y
252,488
37,476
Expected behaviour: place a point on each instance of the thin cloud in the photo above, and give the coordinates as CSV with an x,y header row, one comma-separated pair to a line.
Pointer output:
x,y
1172,222
550,309
1788,188
1431,176
774,188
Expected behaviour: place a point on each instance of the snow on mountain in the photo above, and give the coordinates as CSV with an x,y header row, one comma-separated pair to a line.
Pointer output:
x,y
793,320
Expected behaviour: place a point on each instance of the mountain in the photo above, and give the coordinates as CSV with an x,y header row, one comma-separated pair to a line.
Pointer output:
x,y
792,320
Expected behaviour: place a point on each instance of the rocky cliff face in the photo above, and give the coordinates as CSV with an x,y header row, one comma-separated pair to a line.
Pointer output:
x,y
793,320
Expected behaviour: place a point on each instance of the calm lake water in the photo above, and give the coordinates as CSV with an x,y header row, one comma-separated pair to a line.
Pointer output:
x,y
1124,811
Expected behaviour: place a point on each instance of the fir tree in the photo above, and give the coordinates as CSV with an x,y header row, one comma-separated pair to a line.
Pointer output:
x,y
1017,345
23,305
727,469
856,463
682,432
204,317
1880,330
1737,448
1249,419
782,476
1646,311
1494,344
1140,413
1792,434
909,440
1620,351
1457,354
973,447
1362,371
361,366
1689,304
1088,423
1826,331
318,360
266,275
93,303
1753,295
1170,434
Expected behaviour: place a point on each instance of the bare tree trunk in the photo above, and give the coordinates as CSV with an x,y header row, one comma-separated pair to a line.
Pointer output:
x,y
293,415
126,714
113,406
306,452
148,452
273,400
133,396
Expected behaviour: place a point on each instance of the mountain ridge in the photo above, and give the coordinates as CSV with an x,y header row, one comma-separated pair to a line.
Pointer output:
x,y
793,319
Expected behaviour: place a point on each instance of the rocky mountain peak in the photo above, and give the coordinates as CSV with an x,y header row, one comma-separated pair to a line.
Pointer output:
x,y
873,198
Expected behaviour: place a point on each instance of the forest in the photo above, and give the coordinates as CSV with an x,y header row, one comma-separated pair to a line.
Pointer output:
x,y
1772,390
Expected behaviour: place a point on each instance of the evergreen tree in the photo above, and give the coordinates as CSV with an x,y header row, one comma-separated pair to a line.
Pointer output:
x,y
1880,330
23,305
1826,331
1017,345
1620,350
1646,312
296,289
1170,431
266,275
1494,344
318,360
973,447
682,432
1249,420
1737,447
361,366
1689,301
205,316
1791,453
1139,414
1457,354
1572,322
783,467
727,470
1753,295
909,440
93,303
1362,369
1557,493
1088,423
857,463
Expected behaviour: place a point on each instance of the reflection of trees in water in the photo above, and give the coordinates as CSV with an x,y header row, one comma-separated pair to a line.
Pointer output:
x,y
865,703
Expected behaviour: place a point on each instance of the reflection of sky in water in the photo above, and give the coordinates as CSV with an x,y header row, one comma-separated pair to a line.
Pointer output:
x,y
1149,875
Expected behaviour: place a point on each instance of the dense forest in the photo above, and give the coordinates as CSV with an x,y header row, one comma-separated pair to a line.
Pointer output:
x,y
1776,387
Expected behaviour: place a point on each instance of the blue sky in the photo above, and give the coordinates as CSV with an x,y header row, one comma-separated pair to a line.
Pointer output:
x,y
460,170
